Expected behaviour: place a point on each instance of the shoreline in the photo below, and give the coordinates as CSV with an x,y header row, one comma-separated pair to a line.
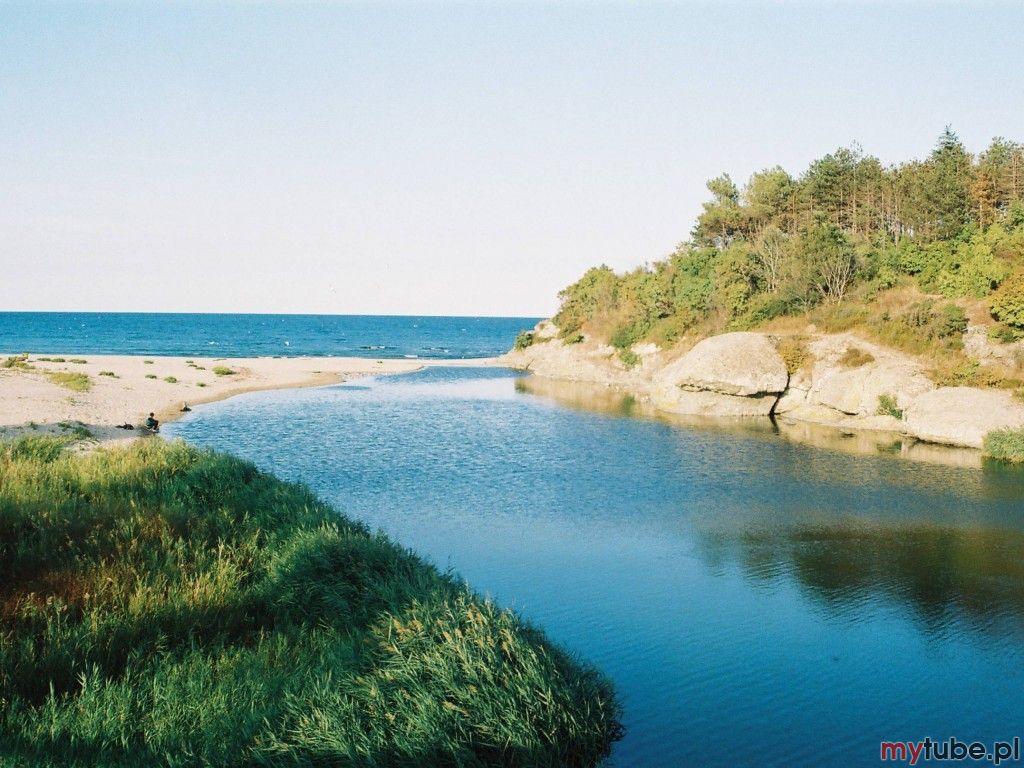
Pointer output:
x,y
33,402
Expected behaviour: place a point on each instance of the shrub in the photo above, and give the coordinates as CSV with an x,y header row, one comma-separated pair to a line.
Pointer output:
x,y
200,383
628,334
1008,301
887,406
950,321
77,382
524,340
111,374
855,357
51,360
78,361
222,370
151,376
147,362
1005,445
629,358
171,379
794,353
18,362
573,338
1004,334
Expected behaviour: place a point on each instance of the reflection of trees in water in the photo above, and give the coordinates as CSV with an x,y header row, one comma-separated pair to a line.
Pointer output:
x,y
945,575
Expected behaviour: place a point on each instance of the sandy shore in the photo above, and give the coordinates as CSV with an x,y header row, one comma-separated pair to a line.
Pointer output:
x,y
31,401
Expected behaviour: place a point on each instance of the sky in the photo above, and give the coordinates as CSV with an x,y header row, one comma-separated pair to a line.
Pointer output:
x,y
439,158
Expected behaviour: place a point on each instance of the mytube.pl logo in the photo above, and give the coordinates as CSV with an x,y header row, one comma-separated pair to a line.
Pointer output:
x,y
928,749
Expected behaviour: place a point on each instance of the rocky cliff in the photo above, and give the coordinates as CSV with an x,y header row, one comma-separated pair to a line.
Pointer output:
x,y
835,379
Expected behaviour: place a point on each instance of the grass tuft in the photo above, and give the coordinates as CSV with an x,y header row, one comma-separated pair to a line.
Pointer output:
x,y
76,382
222,370
161,605
855,358
887,406
17,362
171,379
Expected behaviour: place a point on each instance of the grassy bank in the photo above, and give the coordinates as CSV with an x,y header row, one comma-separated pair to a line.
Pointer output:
x,y
161,605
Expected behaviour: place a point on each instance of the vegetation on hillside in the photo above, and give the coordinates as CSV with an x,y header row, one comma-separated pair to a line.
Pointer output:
x,y
161,605
898,251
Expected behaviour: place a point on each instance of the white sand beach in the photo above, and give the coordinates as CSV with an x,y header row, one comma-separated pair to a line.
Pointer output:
x,y
33,400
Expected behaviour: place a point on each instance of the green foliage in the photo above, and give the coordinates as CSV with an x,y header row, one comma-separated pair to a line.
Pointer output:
x,y
524,339
1008,301
151,376
171,379
17,362
75,430
845,229
77,382
223,370
1005,445
167,606
629,358
111,374
39,449
148,362
78,361
582,300
794,352
51,359
887,406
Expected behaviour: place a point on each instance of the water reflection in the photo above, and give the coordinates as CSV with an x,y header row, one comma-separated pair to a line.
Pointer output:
x,y
743,588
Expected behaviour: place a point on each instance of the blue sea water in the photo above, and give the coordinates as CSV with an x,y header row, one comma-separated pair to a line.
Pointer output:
x,y
212,335
757,602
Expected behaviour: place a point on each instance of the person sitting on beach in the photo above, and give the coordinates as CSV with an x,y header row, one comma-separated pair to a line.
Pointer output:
x,y
152,423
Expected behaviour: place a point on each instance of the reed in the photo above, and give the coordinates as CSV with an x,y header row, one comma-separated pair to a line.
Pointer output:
x,y
165,605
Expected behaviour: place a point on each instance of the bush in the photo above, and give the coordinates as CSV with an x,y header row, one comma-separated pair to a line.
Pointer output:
x,y
18,362
51,359
1004,334
524,339
78,361
1008,301
887,406
151,376
1005,445
171,379
167,606
222,370
111,374
951,321
794,353
629,358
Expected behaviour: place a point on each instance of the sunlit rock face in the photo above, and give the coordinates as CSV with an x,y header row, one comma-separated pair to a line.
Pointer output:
x,y
962,415
738,364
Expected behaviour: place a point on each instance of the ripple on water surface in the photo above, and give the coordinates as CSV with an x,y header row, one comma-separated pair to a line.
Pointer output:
x,y
757,601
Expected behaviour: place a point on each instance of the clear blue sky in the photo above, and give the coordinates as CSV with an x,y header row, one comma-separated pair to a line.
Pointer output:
x,y
438,158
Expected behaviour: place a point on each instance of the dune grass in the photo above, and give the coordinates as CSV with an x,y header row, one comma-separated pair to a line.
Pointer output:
x,y
161,605
76,382
223,370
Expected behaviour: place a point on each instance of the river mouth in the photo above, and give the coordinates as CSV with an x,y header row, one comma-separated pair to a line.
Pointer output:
x,y
757,600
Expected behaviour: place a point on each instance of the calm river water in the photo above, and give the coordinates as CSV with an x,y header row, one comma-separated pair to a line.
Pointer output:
x,y
755,600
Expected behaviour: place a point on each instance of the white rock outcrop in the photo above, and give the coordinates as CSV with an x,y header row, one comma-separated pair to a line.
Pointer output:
x,y
740,364
962,415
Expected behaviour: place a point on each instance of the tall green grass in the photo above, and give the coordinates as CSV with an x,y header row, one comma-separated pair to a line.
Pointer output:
x,y
161,605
